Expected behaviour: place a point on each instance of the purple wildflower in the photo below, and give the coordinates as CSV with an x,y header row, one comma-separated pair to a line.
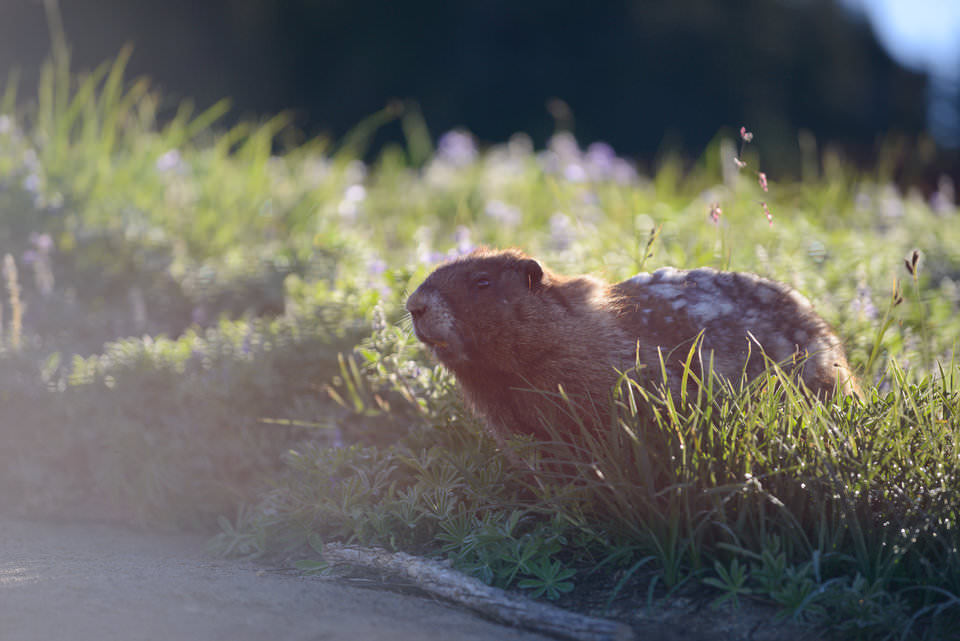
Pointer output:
x,y
863,303
432,257
462,238
599,160
503,213
944,199
42,242
376,267
169,161
32,183
575,172
457,148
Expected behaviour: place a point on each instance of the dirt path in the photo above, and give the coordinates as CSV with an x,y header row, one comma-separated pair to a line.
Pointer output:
x,y
88,582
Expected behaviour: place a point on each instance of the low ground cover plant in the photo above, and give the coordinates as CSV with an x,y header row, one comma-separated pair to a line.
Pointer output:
x,y
202,324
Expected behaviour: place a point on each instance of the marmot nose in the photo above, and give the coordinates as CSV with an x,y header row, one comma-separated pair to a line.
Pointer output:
x,y
416,305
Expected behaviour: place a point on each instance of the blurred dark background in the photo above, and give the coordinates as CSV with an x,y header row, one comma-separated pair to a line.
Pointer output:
x,y
645,76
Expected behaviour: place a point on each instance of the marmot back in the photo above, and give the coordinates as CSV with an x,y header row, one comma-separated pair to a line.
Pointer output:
x,y
514,333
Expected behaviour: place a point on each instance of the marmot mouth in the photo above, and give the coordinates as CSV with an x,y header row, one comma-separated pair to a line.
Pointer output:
x,y
441,350
432,343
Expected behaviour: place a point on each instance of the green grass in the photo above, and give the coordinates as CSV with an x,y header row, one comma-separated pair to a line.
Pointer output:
x,y
201,327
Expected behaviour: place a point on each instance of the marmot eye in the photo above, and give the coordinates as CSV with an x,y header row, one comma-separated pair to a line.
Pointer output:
x,y
481,282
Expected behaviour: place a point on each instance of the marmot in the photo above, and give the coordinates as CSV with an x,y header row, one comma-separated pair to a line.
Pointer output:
x,y
507,328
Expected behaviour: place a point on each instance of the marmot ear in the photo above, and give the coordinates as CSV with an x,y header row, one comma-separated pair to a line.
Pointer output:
x,y
533,273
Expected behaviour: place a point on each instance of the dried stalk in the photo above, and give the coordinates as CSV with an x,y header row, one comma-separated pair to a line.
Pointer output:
x,y
442,581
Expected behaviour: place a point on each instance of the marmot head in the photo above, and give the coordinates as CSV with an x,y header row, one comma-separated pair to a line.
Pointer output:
x,y
468,310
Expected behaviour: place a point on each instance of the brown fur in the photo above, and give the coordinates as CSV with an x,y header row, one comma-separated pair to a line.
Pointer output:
x,y
513,333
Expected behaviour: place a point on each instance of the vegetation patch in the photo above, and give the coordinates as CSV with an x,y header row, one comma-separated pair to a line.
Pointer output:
x,y
204,325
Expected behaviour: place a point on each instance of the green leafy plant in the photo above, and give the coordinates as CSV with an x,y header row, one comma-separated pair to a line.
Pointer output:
x,y
549,579
731,581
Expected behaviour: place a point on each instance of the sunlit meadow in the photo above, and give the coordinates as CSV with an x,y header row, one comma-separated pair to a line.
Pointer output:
x,y
205,324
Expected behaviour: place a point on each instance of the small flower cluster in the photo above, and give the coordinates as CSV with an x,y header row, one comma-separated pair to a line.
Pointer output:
x,y
715,211
944,200
457,148
863,305
456,156
171,162
505,215
20,161
354,194
464,245
376,268
599,163
745,137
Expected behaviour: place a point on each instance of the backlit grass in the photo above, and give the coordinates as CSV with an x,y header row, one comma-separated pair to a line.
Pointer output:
x,y
202,322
